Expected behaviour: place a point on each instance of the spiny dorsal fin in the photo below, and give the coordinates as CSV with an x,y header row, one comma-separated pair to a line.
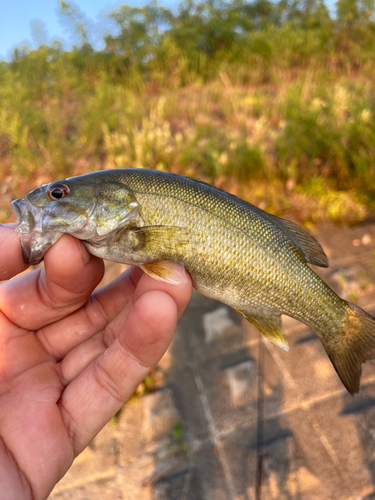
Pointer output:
x,y
311,249
270,326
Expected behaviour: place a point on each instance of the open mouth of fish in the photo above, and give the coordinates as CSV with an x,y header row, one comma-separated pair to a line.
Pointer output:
x,y
34,240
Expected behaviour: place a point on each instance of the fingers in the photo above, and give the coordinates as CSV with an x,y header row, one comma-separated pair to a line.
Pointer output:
x,y
180,293
11,261
110,380
80,358
99,336
105,312
69,276
11,479
104,305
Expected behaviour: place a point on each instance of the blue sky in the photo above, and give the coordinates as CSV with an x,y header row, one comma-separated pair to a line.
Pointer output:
x,y
16,17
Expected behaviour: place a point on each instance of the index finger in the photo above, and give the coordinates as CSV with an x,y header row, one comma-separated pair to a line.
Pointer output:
x,y
11,260
48,294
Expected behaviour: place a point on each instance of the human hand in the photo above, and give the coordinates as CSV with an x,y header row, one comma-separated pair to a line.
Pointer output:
x,y
70,358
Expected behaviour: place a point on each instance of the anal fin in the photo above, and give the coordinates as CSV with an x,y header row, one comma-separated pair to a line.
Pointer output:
x,y
270,326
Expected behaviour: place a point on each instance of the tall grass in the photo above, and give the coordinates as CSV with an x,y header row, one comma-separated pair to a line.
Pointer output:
x,y
271,101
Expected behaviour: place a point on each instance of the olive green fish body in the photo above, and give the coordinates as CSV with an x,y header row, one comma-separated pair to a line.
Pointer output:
x,y
231,252
234,252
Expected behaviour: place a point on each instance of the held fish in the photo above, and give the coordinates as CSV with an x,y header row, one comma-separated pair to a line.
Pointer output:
x,y
234,252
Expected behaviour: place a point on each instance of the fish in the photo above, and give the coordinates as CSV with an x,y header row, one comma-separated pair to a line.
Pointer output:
x,y
235,252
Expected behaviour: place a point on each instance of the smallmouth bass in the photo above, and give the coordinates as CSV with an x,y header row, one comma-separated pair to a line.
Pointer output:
x,y
234,252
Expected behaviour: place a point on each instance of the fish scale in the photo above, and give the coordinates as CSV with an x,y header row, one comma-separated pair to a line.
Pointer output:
x,y
251,269
234,252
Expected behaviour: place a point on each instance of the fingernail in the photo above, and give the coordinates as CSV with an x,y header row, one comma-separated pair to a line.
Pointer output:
x,y
84,253
166,270
175,273
182,274
11,225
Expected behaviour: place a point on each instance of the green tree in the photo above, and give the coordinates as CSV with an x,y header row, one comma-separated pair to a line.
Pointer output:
x,y
350,12
140,32
75,22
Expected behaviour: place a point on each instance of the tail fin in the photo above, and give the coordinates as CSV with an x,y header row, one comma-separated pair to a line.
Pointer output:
x,y
354,345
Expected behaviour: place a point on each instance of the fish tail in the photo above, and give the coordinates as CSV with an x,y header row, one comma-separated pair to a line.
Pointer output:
x,y
353,345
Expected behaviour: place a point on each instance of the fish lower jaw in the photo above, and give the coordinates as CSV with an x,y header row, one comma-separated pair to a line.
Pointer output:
x,y
35,245
30,218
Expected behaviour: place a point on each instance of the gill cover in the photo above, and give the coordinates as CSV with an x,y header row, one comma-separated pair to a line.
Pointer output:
x,y
88,211
115,206
84,209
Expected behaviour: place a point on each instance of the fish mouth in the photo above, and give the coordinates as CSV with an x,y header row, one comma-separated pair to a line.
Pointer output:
x,y
34,242
29,216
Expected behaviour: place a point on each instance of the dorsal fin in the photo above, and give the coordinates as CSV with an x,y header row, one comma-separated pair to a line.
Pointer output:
x,y
310,248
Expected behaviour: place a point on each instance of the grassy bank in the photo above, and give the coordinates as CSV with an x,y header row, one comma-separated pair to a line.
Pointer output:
x,y
274,105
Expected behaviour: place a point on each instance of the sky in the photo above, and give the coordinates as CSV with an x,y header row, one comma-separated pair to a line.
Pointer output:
x,y
16,17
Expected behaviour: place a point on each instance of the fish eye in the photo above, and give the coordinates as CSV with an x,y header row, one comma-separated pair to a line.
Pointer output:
x,y
58,191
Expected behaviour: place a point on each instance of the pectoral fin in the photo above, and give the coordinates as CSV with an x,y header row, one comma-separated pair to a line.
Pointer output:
x,y
163,241
270,326
165,270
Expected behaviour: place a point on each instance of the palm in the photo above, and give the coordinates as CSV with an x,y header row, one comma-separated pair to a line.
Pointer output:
x,y
70,358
